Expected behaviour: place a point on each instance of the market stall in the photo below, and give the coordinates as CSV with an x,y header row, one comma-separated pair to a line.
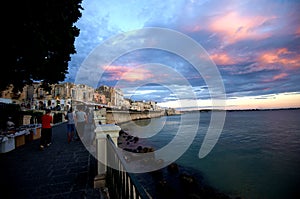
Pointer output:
x,y
13,139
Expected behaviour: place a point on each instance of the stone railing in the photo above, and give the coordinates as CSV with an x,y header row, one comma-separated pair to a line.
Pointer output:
x,y
119,183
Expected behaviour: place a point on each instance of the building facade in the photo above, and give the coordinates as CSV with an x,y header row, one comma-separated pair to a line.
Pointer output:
x,y
60,96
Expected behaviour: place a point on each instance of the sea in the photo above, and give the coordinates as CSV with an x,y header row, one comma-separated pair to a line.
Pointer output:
x,y
257,155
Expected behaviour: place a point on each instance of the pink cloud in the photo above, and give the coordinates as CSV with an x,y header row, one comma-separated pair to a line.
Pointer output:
x,y
137,75
276,77
115,71
222,59
282,56
280,76
278,59
127,73
196,28
298,32
192,27
234,27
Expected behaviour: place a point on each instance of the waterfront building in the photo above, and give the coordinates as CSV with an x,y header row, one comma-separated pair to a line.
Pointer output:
x,y
99,98
118,98
104,90
139,106
82,93
152,106
126,104
61,96
114,96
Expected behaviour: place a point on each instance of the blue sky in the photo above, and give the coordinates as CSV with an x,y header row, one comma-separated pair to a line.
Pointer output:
x,y
254,45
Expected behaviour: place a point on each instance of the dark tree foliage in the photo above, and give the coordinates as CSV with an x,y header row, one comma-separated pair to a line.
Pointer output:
x,y
38,40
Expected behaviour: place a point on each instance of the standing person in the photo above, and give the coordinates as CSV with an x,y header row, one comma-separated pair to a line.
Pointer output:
x,y
46,133
70,125
90,119
89,128
81,120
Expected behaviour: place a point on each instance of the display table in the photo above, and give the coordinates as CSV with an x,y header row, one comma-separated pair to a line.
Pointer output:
x,y
19,140
20,137
7,143
35,133
10,141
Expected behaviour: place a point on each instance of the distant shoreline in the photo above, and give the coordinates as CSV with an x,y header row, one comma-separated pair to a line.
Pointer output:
x,y
234,110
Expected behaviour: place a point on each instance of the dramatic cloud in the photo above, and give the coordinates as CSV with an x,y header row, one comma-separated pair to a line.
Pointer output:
x,y
280,58
233,27
126,73
255,45
224,59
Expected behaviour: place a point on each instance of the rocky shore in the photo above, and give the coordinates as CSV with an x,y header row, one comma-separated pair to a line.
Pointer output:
x,y
172,181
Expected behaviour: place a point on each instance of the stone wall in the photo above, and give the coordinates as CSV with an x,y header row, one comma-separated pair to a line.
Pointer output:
x,y
116,117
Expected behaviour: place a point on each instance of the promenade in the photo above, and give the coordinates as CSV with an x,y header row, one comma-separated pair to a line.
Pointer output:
x,y
60,171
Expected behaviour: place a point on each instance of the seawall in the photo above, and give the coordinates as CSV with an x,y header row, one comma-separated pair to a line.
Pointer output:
x,y
118,116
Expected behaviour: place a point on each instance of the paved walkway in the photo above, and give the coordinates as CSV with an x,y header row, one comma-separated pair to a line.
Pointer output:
x,y
60,171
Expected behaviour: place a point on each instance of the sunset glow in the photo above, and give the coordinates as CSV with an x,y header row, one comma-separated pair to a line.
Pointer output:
x,y
235,27
253,44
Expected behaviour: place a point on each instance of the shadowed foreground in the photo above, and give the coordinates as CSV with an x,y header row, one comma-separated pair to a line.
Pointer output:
x,y
60,171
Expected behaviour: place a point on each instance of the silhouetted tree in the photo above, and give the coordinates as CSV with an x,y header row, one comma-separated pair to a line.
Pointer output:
x,y
38,40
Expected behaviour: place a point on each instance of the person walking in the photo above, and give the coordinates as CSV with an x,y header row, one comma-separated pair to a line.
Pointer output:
x,y
90,119
70,125
81,120
46,133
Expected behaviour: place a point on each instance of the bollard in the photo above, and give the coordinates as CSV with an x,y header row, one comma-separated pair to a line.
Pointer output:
x,y
100,117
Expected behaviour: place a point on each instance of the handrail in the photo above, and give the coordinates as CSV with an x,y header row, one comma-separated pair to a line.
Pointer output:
x,y
120,183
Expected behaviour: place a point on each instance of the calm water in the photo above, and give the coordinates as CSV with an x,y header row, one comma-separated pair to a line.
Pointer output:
x,y
257,155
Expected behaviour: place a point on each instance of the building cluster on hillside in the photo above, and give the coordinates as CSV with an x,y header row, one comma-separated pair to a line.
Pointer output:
x,y
61,96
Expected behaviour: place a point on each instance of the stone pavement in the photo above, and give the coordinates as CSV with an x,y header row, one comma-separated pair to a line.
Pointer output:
x,y
60,171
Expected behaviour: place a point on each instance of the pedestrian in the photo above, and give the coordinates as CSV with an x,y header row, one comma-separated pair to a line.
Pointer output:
x,y
70,125
46,133
81,120
90,119
89,127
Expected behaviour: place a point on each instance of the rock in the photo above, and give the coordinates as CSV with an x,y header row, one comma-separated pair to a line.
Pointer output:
x,y
135,139
173,168
139,149
157,174
129,137
188,182
164,190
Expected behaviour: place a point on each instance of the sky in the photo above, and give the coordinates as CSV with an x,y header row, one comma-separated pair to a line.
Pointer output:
x,y
189,54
